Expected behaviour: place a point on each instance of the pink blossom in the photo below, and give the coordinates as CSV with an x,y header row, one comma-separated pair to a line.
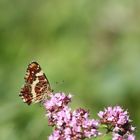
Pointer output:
x,y
69,125
118,122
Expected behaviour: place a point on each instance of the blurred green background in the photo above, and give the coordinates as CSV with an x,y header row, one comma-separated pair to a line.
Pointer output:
x,y
91,45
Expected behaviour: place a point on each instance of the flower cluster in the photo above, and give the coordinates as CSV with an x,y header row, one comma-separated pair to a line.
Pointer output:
x,y
69,125
117,121
76,125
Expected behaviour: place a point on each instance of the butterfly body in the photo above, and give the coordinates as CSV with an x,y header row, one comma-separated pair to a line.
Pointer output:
x,y
36,87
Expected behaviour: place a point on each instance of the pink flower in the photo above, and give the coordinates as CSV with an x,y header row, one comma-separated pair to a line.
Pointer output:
x,y
76,125
117,121
125,137
69,125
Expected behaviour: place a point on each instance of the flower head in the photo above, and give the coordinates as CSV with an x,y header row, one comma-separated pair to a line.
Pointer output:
x,y
124,137
117,121
69,125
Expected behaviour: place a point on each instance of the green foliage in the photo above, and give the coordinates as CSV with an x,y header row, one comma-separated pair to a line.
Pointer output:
x,y
93,46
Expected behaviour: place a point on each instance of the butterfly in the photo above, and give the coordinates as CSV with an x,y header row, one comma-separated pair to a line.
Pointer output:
x,y
36,87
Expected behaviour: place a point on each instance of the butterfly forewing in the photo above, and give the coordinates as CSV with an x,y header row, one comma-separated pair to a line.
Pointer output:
x,y
36,87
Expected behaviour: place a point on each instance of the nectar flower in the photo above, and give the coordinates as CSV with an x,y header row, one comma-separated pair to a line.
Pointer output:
x,y
124,137
117,121
69,125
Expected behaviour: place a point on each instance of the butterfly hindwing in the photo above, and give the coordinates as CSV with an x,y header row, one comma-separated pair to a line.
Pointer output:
x,y
36,86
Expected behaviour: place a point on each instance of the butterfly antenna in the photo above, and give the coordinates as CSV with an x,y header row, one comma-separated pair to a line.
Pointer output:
x,y
57,84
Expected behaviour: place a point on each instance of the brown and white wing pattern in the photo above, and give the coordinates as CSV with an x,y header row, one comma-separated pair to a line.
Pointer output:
x,y
36,87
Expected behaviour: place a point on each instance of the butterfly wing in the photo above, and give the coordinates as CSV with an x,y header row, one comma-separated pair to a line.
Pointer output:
x,y
36,86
